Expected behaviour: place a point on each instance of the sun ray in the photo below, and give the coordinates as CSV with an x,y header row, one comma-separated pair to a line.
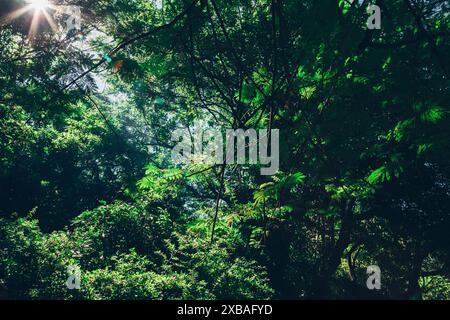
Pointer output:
x,y
50,21
15,14
39,8
34,25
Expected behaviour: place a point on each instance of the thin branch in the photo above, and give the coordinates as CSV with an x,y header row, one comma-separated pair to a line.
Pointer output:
x,y
219,194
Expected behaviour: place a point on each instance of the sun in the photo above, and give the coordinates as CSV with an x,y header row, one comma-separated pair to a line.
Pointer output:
x,y
40,10
39,4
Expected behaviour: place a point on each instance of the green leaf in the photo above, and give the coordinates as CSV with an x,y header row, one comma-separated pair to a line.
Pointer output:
x,y
377,175
432,115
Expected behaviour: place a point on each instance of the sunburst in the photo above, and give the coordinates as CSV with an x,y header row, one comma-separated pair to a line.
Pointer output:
x,y
39,9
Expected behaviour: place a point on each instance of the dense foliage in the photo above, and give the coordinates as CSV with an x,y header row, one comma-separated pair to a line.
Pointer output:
x,y
87,178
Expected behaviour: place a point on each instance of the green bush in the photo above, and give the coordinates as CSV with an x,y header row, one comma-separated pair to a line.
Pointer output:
x,y
123,253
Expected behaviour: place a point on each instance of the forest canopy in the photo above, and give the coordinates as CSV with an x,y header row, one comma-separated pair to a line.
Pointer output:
x,y
91,93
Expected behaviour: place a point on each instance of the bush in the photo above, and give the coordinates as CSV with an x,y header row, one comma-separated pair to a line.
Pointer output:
x,y
123,253
128,279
